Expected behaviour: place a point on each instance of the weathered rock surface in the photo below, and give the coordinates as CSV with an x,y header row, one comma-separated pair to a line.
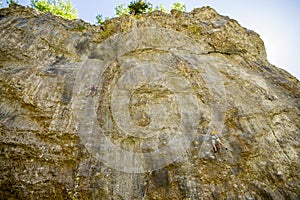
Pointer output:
x,y
164,82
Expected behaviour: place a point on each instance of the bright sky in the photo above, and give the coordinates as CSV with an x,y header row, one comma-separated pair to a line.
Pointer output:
x,y
276,21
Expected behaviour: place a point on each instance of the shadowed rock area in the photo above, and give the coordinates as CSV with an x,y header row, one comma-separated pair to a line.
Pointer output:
x,y
163,83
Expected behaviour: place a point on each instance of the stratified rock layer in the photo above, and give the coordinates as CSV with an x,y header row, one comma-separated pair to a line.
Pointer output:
x,y
164,81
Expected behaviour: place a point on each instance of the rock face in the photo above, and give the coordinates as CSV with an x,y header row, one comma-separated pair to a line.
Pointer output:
x,y
164,82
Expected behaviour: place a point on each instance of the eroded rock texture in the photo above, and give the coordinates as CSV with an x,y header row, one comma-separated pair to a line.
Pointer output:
x,y
164,81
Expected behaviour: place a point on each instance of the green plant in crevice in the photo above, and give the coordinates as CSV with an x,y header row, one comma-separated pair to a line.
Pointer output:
x,y
78,28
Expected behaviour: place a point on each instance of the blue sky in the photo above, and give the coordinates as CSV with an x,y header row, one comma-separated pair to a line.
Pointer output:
x,y
276,21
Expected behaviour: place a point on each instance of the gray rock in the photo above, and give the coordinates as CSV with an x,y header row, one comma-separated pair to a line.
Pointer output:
x,y
164,82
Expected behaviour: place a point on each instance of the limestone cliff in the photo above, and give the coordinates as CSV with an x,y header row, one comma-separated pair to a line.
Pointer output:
x,y
164,82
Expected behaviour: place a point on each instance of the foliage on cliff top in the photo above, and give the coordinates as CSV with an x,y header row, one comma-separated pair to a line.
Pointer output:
x,y
140,7
63,8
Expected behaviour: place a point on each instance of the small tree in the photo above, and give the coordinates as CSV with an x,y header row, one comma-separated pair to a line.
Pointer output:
x,y
134,7
60,7
178,6
139,7
121,10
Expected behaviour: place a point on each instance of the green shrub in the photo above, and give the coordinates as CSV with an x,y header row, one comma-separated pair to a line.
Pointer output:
x,y
58,7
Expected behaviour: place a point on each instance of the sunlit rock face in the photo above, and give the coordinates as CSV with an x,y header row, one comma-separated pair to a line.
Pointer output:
x,y
163,83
